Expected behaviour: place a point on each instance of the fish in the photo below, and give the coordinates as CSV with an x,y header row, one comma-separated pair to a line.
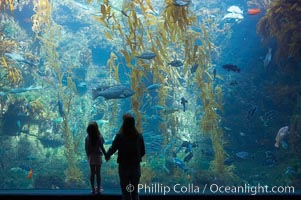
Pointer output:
x,y
270,159
21,90
214,73
269,154
233,83
154,86
2,94
61,108
188,157
112,92
280,135
124,13
290,171
147,55
24,167
235,9
242,134
227,128
207,152
251,112
51,142
269,162
242,154
267,58
228,161
158,107
194,67
100,122
188,147
18,123
254,11
176,63
180,164
233,16
58,120
181,2
184,102
170,110
267,117
231,67
19,58
30,174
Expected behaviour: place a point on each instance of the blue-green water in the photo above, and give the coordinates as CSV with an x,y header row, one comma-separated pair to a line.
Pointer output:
x,y
209,97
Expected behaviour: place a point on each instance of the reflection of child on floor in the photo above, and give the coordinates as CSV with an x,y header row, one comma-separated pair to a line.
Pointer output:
x,y
94,150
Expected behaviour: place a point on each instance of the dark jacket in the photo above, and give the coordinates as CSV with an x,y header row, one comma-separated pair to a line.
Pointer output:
x,y
130,149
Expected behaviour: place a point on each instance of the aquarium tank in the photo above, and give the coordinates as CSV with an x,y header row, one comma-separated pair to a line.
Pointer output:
x,y
214,86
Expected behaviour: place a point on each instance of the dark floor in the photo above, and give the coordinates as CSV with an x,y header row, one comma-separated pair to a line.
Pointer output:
x,y
142,197
84,194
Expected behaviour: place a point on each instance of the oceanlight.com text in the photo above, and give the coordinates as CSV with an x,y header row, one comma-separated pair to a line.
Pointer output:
x,y
251,189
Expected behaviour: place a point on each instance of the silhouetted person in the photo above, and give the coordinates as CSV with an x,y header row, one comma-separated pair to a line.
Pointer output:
x,y
94,150
130,146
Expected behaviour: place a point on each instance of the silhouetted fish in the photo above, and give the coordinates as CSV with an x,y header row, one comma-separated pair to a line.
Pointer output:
x,y
188,157
112,92
233,83
194,68
176,63
214,73
61,107
251,112
231,67
147,55
184,102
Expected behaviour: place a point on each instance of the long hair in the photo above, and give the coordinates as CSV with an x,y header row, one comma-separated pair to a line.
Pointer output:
x,y
128,126
93,133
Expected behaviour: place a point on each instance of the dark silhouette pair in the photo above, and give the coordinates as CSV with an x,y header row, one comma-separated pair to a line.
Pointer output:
x,y
129,144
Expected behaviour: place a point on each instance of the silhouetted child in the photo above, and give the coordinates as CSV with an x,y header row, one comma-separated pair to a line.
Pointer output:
x,y
94,150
